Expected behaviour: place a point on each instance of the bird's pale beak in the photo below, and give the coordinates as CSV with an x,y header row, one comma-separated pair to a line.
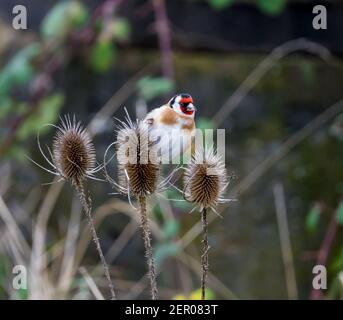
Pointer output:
x,y
191,107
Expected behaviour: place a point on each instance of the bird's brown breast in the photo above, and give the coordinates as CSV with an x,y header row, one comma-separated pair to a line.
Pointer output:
x,y
170,117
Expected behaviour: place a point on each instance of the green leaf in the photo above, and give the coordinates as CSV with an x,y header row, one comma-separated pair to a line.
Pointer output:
x,y
164,251
19,70
152,87
55,23
78,13
339,213
313,218
47,112
170,229
102,55
220,4
121,29
271,7
62,17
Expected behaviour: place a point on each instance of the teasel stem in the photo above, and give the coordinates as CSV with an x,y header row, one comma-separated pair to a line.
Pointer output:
x,y
87,208
148,247
204,256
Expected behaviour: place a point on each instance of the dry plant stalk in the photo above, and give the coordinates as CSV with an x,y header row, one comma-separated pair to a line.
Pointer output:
x,y
73,159
87,208
139,172
205,182
148,247
204,255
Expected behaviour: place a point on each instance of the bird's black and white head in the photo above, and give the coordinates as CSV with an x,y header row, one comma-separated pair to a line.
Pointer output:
x,y
183,104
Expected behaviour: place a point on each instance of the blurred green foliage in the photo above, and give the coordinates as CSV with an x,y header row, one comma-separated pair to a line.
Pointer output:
x,y
337,264
19,70
151,87
61,18
30,72
47,112
164,251
339,213
170,229
167,247
220,4
179,202
102,55
205,123
121,29
313,218
271,7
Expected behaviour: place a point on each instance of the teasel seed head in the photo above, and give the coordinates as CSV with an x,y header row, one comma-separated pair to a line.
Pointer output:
x,y
205,179
73,151
138,162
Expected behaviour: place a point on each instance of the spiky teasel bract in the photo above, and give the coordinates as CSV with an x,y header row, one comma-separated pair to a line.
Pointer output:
x,y
73,151
139,160
205,179
138,163
139,175
73,154
73,159
204,184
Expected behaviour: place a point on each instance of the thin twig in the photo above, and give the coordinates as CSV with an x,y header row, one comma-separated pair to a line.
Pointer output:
x,y
194,265
164,38
117,100
68,259
38,258
204,256
275,56
91,284
286,247
119,244
14,231
86,205
287,146
148,247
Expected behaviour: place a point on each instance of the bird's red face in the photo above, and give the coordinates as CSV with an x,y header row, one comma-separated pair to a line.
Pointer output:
x,y
186,105
183,104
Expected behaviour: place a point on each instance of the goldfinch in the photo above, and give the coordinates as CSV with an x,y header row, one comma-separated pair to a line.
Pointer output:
x,y
173,125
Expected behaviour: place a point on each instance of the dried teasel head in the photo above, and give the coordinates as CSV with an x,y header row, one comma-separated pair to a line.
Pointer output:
x,y
138,160
205,179
73,152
